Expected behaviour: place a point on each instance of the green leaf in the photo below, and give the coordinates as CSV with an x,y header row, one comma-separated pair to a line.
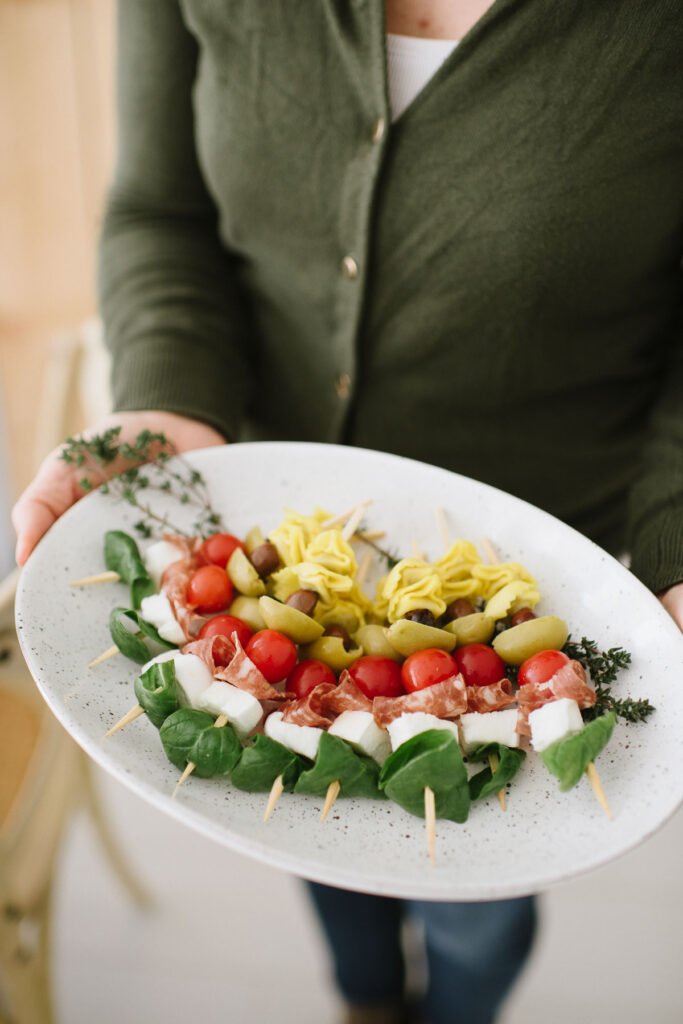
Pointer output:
x,y
433,759
141,588
121,554
486,782
337,762
157,693
261,764
134,644
569,758
189,735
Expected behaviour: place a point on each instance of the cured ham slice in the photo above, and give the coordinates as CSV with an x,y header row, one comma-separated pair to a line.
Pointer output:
x,y
445,700
174,585
310,710
346,696
244,674
492,697
568,681
215,651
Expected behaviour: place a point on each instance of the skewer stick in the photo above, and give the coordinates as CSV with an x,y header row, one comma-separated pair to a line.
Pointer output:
x,y
493,765
129,717
416,550
354,520
344,516
104,656
369,535
364,567
430,823
276,791
442,526
332,794
596,784
101,577
490,551
190,766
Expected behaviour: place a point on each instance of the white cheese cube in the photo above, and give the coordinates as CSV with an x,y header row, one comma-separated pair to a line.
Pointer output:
x,y
157,610
302,739
412,724
360,731
159,556
241,709
489,727
164,656
193,678
553,721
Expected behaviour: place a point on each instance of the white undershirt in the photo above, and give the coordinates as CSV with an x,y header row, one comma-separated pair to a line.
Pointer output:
x,y
411,62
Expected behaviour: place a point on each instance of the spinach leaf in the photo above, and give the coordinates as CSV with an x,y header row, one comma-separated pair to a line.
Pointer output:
x,y
433,759
121,554
140,588
569,758
156,691
336,761
189,735
486,782
262,762
133,644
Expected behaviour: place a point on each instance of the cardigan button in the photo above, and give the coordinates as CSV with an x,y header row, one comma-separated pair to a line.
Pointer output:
x,y
343,385
378,129
349,268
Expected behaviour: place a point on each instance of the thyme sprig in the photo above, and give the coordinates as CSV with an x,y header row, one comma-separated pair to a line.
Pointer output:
x,y
145,467
603,668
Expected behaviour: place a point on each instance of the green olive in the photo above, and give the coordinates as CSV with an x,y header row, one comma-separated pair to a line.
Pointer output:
x,y
476,628
300,628
406,637
373,640
331,650
254,539
247,609
244,575
547,633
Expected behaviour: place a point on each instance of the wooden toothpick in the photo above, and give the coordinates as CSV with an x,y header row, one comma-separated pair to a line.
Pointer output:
x,y
104,656
430,823
276,791
190,766
101,577
332,794
129,717
596,784
493,765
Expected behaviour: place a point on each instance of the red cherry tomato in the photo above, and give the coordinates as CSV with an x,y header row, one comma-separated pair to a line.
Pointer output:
x,y
541,667
209,589
226,625
306,675
425,668
216,550
479,664
273,653
377,677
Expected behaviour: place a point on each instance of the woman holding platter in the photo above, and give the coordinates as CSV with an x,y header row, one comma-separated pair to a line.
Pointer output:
x,y
449,231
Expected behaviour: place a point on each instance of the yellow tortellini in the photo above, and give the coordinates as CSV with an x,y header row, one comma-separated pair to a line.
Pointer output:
x,y
510,598
411,584
330,550
492,578
295,533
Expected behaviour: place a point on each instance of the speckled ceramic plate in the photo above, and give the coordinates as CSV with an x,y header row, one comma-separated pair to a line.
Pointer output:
x,y
544,838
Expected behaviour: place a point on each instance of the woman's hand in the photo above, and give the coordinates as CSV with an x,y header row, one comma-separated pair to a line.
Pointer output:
x,y
55,487
672,599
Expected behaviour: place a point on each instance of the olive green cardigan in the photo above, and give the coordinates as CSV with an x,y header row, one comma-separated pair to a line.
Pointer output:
x,y
490,284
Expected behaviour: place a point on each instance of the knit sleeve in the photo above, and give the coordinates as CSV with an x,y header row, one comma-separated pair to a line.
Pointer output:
x,y
174,318
656,500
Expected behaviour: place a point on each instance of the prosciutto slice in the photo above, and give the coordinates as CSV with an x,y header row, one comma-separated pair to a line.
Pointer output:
x,y
215,651
346,696
175,580
445,700
310,710
493,697
569,681
243,673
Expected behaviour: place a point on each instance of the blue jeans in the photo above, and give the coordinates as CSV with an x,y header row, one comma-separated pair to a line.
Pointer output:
x,y
474,951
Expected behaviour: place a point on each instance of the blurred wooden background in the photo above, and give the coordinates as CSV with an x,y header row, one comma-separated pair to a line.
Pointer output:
x,y
56,155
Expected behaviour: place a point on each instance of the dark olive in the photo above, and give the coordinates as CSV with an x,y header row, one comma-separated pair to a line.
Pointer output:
x,y
265,559
303,600
342,634
459,608
523,615
421,615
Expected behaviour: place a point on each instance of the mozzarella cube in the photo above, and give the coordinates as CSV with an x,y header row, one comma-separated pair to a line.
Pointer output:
x,y
361,732
157,610
489,727
302,739
553,721
412,724
193,678
241,709
159,556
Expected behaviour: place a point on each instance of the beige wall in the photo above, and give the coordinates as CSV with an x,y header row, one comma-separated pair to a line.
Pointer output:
x,y
56,150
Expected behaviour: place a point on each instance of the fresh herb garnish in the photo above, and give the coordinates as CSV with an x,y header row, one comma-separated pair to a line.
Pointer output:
x,y
603,668
145,467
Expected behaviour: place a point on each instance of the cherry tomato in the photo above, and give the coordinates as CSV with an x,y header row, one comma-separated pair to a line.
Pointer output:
x,y
479,664
226,625
306,675
541,667
216,550
377,677
425,668
209,589
273,653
